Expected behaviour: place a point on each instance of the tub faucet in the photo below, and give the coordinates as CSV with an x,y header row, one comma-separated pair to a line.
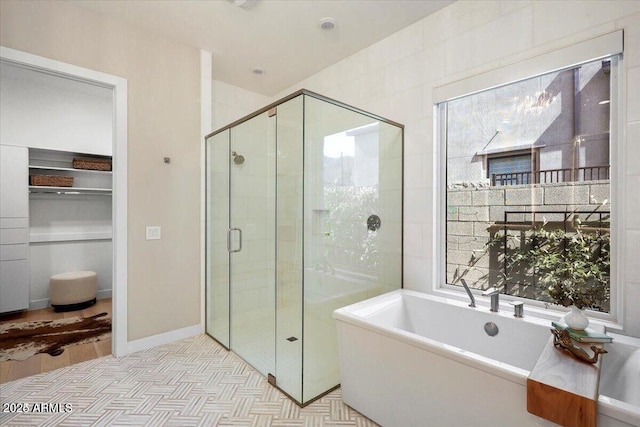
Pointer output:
x,y
495,298
466,288
518,308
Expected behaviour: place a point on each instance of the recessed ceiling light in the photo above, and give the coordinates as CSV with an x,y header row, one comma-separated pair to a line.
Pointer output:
x,y
257,70
327,23
606,101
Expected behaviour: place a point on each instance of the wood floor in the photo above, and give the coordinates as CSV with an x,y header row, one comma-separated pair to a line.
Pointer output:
x,y
15,369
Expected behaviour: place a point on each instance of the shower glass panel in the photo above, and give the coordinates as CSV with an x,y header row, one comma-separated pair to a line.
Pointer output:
x,y
289,247
353,225
304,215
217,256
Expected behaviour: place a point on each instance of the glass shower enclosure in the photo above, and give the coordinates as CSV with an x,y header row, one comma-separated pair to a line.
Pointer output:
x,y
303,216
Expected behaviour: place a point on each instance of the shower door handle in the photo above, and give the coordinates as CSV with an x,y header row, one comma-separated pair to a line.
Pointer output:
x,y
229,240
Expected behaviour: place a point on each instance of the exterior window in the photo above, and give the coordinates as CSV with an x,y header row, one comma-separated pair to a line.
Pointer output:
x,y
528,198
511,170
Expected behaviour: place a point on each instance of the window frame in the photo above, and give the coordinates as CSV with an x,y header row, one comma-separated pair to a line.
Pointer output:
x,y
558,60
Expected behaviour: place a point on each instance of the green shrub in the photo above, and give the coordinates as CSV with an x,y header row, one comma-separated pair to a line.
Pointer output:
x,y
570,267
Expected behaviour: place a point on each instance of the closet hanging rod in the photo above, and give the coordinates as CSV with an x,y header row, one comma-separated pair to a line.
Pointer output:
x,y
71,193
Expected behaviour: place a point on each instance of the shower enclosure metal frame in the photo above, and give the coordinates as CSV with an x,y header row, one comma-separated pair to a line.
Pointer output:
x,y
373,223
313,95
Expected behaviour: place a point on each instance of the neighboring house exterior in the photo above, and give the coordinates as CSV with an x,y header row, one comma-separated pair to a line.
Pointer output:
x,y
553,128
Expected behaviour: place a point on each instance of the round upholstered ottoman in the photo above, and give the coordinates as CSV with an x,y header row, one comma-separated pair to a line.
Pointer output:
x,y
74,290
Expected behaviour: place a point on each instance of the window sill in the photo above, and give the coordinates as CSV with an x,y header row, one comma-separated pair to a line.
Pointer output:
x,y
535,309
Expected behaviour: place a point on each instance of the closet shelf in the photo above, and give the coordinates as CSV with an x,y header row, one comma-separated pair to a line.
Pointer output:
x,y
55,168
53,237
35,189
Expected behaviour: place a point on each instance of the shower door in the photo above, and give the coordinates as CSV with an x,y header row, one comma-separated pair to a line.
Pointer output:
x,y
252,242
241,240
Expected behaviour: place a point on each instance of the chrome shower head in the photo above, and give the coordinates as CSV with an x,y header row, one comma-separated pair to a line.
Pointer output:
x,y
238,159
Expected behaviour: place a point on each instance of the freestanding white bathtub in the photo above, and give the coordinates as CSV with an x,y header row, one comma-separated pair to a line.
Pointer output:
x,y
417,360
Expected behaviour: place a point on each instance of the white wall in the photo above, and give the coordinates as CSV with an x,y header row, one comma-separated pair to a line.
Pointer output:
x,y
395,78
44,111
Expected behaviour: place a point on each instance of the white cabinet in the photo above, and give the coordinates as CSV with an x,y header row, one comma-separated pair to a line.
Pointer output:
x,y
14,223
14,197
14,291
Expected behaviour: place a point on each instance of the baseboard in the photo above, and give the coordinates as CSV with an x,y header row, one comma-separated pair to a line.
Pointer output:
x,y
44,303
105,293
38,304
160,339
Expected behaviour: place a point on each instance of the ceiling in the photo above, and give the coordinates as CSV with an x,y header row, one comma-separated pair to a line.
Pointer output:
x,y
281,36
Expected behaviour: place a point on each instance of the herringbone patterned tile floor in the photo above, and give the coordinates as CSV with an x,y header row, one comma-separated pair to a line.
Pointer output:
x,y
193,382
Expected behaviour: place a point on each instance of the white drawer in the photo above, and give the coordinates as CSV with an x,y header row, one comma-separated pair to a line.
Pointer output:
x,y
14,222
13,252
14,285
12,236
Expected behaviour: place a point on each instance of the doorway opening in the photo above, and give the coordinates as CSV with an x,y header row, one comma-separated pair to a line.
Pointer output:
x,y
97,202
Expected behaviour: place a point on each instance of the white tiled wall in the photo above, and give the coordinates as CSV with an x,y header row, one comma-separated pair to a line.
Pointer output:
x,y
231,103
396,77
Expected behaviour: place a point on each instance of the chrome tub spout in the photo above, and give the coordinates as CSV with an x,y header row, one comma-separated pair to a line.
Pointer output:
x,y
494,293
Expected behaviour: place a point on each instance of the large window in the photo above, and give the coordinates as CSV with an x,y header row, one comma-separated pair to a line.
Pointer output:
x,y
528,197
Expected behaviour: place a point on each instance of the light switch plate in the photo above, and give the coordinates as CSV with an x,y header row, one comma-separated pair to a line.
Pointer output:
x,y
153,232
